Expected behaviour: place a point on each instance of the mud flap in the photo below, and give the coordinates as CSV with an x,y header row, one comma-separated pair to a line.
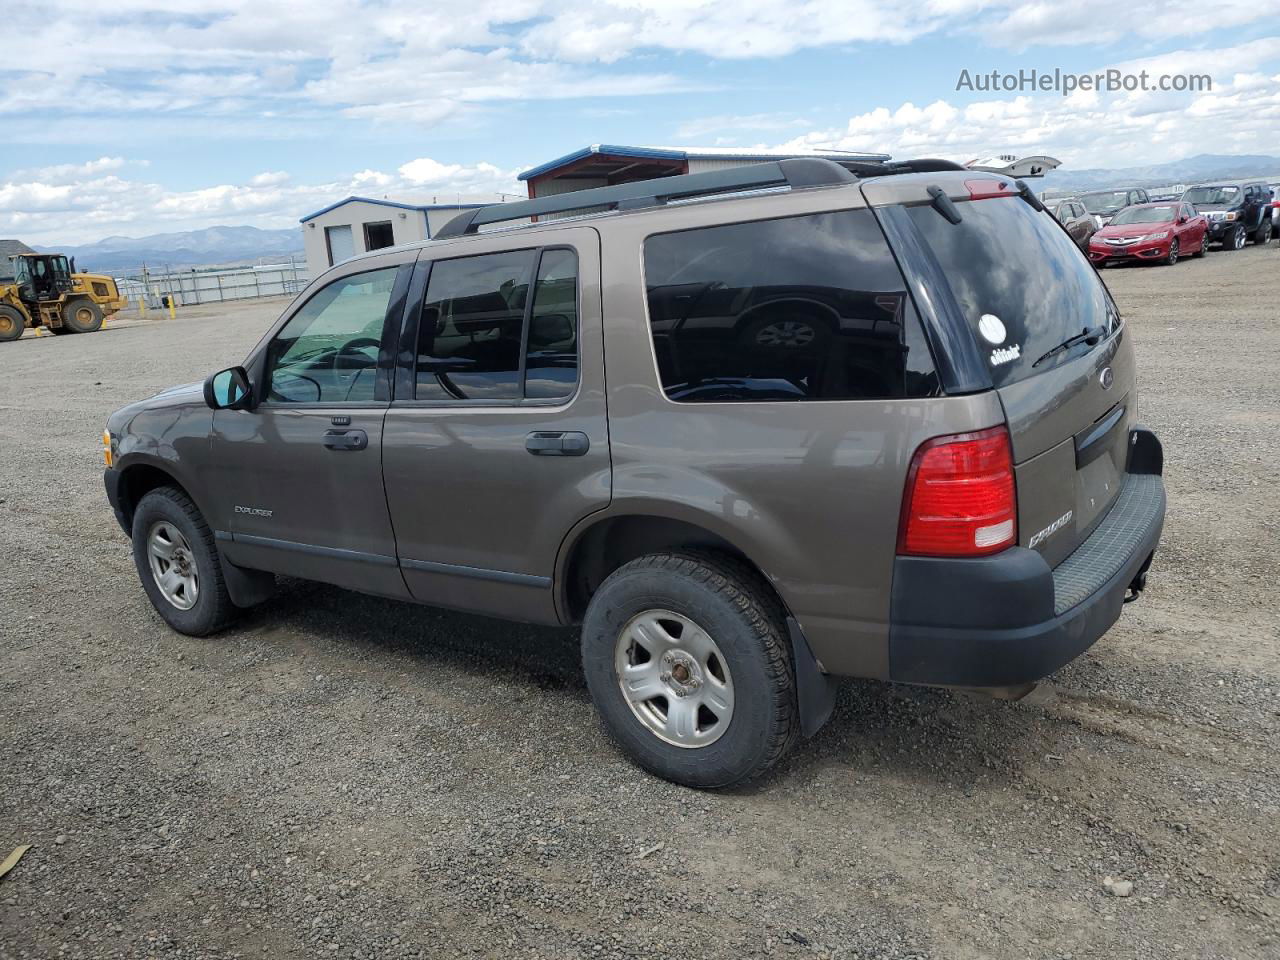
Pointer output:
x,y
246,588
815,690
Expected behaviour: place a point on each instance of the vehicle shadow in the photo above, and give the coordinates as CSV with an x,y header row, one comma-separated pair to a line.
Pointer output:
x,y
877,728
545,657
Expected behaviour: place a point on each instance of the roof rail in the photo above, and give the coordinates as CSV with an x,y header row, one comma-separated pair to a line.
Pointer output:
x,y
796,173
887,168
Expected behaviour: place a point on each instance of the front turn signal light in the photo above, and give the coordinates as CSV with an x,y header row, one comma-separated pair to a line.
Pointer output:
x,y
106,449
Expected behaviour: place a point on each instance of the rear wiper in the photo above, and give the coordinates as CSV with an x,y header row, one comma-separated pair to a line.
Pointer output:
x,y
1090,335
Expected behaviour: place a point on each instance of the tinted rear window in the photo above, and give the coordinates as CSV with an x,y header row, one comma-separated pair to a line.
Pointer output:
x,y
1005,260
799,308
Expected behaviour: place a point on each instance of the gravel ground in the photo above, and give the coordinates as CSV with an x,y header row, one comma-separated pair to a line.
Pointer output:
x,y
341,776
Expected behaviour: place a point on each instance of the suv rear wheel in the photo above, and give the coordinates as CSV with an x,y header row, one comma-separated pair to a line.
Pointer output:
x,y
178,563
1263,234
687,661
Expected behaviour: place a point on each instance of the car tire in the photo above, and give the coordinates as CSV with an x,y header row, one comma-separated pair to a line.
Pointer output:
x,y
12,324
1235,239
1172,256
1263,234
194,599
1204,246
715,619
81,315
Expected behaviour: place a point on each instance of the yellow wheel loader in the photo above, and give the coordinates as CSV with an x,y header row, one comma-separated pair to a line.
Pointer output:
x,y
47,292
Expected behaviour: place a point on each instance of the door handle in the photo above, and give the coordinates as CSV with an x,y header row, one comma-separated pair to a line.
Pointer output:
x,y
346,439
557,443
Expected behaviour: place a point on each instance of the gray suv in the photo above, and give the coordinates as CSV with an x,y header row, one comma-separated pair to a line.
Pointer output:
x,y
752,429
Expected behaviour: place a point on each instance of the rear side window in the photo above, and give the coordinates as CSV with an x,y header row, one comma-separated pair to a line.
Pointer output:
x,y
799,308
484,336
1020,280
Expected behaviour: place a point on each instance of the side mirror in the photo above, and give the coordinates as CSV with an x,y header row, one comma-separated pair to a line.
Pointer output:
x,y
1182,219
228,390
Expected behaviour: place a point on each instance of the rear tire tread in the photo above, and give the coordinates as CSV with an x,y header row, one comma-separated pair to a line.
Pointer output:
x,y
740,585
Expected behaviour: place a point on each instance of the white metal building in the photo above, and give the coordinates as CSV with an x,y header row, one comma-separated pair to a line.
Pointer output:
x,y
358,224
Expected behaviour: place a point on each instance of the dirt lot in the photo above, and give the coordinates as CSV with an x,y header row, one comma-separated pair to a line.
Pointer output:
x,y
344,777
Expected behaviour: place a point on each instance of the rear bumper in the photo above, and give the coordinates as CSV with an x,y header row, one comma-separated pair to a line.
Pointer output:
x,y
1009,619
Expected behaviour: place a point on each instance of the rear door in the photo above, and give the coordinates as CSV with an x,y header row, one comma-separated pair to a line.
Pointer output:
x,y
1024,288
496,442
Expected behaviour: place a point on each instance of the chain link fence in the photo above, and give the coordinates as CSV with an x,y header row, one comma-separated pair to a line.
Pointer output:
x,y
186,287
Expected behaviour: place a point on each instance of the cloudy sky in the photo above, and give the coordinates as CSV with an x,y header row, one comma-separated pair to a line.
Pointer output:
x,y
134,118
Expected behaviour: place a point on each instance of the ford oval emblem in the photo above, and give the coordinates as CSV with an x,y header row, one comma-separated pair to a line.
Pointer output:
x,y
1106,378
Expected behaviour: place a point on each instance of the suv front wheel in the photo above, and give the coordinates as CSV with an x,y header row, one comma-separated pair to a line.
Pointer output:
x,y
687,661
178,564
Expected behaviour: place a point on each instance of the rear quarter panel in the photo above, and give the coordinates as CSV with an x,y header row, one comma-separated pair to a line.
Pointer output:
x,y
809,491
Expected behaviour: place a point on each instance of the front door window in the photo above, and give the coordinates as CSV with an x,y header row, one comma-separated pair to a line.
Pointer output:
x,y
328,351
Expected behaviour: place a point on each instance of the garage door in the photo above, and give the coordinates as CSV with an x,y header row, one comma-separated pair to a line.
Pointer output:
x,y
341,245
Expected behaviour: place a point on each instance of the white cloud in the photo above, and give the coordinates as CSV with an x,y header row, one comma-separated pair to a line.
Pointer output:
x,y
70,172
86,206
1087,129
422,63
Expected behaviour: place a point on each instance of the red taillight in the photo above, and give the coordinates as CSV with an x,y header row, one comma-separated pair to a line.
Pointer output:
x,y
960,499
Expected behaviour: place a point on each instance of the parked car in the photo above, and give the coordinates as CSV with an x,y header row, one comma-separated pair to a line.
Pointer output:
x,y
1105,204
1078,221
876,425
1157,232
1275,209
1237,212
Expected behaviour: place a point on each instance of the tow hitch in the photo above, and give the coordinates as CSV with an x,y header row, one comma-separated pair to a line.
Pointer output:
x,y
1139,583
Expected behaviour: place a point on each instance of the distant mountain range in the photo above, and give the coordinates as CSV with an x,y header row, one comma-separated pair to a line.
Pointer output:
x,y
1205,166
213,246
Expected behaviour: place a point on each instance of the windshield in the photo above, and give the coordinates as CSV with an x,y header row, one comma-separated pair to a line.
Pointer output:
x,y
1211,195
1105,202
1145,215
1020,281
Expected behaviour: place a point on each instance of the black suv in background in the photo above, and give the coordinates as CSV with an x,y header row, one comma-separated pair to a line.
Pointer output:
x,y
1237,212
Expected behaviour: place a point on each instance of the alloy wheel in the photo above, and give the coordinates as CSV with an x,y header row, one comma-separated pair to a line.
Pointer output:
x,y
674,678
173,565
1172,258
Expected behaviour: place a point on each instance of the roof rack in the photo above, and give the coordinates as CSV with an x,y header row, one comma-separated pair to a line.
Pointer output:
x,y
796,173
887,168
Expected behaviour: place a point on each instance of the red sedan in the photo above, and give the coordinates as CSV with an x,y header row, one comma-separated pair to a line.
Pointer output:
x,y
1159,232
